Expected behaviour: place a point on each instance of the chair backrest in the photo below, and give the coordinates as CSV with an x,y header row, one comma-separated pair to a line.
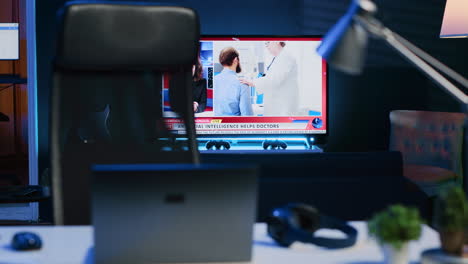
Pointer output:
x,y
106,102
429,138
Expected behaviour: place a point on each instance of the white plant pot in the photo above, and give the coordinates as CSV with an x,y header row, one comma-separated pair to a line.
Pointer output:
x,y
395,256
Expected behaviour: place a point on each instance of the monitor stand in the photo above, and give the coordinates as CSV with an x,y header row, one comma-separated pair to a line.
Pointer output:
x,y
252,144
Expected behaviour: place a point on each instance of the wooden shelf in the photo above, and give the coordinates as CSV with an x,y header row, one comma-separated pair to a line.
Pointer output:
x,y
12,79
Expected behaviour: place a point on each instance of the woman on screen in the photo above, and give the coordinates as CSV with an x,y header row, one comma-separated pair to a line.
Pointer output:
x,y
279,85
199,88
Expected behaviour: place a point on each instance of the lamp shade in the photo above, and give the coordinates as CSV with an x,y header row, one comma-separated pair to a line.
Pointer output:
x,y
455,22
343,47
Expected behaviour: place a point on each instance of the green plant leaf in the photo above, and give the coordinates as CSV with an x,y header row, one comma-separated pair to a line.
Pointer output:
x,y
451,210
396,225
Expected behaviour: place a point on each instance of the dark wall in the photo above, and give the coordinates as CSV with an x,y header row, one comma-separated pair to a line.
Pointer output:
x,y
358,106
45,41
269,17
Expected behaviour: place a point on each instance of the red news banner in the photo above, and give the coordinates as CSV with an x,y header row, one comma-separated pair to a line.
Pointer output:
x,y
249,125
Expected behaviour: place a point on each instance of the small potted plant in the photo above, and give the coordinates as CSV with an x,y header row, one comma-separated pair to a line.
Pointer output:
x,y
451,219
394,228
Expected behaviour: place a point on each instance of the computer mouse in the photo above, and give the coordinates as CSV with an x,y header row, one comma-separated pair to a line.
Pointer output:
x,y
26,241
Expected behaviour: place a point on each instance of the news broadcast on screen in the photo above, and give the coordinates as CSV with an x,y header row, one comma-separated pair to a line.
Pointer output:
x,y
257,85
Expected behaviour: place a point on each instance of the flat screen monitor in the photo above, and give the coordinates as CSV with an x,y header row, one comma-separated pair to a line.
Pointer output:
x,y
257,85
9,41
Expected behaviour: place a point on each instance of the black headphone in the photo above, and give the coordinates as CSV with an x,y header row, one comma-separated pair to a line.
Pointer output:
x,y
298,222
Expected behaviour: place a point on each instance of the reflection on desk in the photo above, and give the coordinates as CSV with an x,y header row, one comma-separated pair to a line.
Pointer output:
x,y
68,245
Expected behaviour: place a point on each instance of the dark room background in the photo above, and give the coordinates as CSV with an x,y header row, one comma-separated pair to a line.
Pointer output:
x,y
358,106
14,102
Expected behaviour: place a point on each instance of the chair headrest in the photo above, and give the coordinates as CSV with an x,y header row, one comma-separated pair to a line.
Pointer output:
x,y
126,36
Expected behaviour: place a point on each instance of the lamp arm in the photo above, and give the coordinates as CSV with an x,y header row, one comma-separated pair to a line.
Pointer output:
x,y
380,31
434,62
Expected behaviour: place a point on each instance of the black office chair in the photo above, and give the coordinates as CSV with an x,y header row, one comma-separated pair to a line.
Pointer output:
x,y
106,101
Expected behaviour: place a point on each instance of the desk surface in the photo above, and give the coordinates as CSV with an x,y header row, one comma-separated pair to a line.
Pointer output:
x,y
68,245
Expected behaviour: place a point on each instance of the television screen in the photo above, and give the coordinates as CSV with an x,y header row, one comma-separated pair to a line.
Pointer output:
x,y
9,41
257,85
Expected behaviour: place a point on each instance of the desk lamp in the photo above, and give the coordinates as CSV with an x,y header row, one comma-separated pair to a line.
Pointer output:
x,y
344,45
455,22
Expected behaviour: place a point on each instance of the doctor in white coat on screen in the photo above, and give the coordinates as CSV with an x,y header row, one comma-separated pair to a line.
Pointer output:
x,y
279,86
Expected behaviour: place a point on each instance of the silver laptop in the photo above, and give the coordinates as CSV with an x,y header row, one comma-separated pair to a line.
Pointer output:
x,y
173,213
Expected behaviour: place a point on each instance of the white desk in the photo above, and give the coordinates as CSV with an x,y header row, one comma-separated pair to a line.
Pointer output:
x,y
67,245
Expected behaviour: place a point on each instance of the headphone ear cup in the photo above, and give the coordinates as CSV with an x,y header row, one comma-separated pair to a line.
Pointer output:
x,y
278,227
298,222
304,217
